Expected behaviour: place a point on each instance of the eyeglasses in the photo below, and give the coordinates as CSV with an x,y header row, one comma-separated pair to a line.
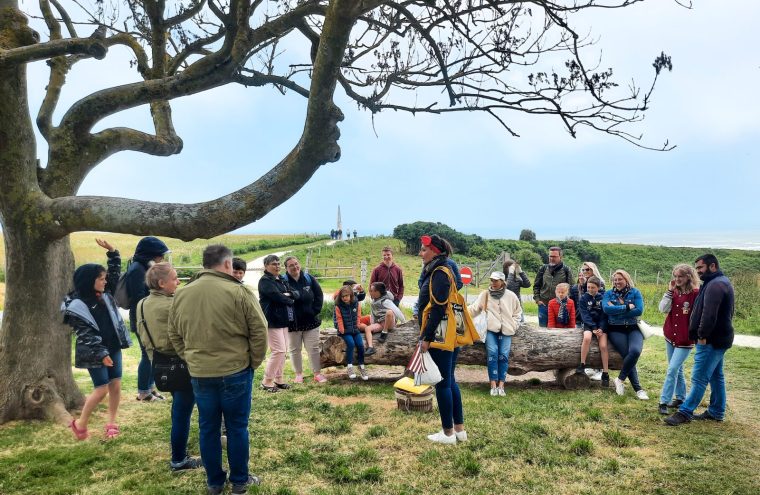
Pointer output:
x,y
587,269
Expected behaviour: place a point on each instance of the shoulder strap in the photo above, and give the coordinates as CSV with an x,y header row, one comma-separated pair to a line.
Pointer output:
x,y
541,271
145,323
452,284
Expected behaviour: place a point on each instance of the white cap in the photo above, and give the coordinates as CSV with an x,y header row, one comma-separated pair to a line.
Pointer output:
x,y
498,276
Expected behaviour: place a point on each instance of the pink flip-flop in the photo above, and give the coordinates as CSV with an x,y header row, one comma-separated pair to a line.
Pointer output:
x,y
79,434
112,431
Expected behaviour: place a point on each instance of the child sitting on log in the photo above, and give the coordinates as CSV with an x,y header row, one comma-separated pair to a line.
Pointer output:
x,y
562,308
346,320
594,323
384,315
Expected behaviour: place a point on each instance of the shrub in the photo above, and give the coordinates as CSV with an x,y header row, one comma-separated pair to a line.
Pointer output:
x,y
529,261
410,234
582,447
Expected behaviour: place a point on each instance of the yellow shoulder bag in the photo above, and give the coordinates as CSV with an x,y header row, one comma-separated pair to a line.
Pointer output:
x,y
456,327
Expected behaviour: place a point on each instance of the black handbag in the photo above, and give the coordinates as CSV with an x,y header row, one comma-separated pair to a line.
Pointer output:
x,y
169,371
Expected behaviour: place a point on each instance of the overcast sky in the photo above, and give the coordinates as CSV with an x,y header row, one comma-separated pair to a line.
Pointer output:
x,y
465,171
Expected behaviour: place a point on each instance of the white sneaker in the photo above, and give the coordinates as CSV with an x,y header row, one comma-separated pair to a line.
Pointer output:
x,y
619,387
351,372
441,437
494,393
461,436
501,392
363,373
597,376
642,395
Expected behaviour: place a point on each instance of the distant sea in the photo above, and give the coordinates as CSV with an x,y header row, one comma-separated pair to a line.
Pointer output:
x,y
717,240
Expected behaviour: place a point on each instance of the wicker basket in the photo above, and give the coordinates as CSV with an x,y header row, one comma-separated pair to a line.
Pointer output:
x,y
410,402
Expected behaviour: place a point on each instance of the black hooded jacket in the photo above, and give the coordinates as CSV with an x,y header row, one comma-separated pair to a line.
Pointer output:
x,y
95,319
147,249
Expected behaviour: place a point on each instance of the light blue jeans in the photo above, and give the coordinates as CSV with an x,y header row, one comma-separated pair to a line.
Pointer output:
x,y
675,381
497,349
708,368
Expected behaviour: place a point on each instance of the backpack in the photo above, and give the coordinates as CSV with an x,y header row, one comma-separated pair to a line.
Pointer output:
x,y
120,293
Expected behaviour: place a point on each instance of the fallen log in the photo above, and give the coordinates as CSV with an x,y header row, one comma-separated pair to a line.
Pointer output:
x,y
533,349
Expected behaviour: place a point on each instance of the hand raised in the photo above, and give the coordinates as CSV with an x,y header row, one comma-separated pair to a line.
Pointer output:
x,y
105,244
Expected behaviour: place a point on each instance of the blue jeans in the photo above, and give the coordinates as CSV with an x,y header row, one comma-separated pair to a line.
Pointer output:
x,y
543,315
103,375
144,369
182,409
229,395
497,349
354,341
675,382
447,392
629,345
708,368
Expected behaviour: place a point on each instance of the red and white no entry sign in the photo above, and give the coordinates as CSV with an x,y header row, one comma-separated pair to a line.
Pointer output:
x,y
466,274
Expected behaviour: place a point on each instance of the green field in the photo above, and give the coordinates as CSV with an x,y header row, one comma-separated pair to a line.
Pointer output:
x,y
349,438
182,253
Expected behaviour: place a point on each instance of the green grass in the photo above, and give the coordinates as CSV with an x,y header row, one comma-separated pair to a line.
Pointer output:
x,y
349,438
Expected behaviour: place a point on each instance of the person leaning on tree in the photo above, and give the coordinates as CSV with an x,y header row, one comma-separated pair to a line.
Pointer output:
x,y
548,277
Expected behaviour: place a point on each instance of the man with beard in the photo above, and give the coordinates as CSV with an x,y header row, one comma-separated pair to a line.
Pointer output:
x,y
548,277
710,325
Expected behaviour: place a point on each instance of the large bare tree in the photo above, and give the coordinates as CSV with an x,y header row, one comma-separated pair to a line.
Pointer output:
x,y
439,56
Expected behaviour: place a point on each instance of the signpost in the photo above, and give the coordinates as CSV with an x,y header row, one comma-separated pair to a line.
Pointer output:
x,y
466,274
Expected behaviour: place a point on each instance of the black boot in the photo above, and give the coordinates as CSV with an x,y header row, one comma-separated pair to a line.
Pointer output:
x,y
605,379
663,409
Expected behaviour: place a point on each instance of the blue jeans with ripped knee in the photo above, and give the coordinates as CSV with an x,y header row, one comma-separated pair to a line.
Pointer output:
x,y
497,349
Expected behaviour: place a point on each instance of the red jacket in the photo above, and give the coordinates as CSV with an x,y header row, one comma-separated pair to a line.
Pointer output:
x,y
392,277
676,327
554,312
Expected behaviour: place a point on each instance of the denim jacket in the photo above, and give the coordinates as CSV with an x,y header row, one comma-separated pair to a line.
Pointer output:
x,y
621,314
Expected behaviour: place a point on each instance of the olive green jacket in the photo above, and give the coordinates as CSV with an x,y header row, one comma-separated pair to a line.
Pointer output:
x,y
217,326
156,309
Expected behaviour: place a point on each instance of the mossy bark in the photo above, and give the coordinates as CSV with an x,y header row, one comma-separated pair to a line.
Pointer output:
x,y
35,349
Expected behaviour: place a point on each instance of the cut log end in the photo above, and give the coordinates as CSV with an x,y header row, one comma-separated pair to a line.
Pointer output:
x,y
571,380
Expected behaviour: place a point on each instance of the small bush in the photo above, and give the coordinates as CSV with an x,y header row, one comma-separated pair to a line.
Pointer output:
x,y
582,447
377,431
334,427
617,438
468,464
594,415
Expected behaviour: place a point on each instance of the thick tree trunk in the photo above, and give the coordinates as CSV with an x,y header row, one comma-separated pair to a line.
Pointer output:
x,y
533,349
36,381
